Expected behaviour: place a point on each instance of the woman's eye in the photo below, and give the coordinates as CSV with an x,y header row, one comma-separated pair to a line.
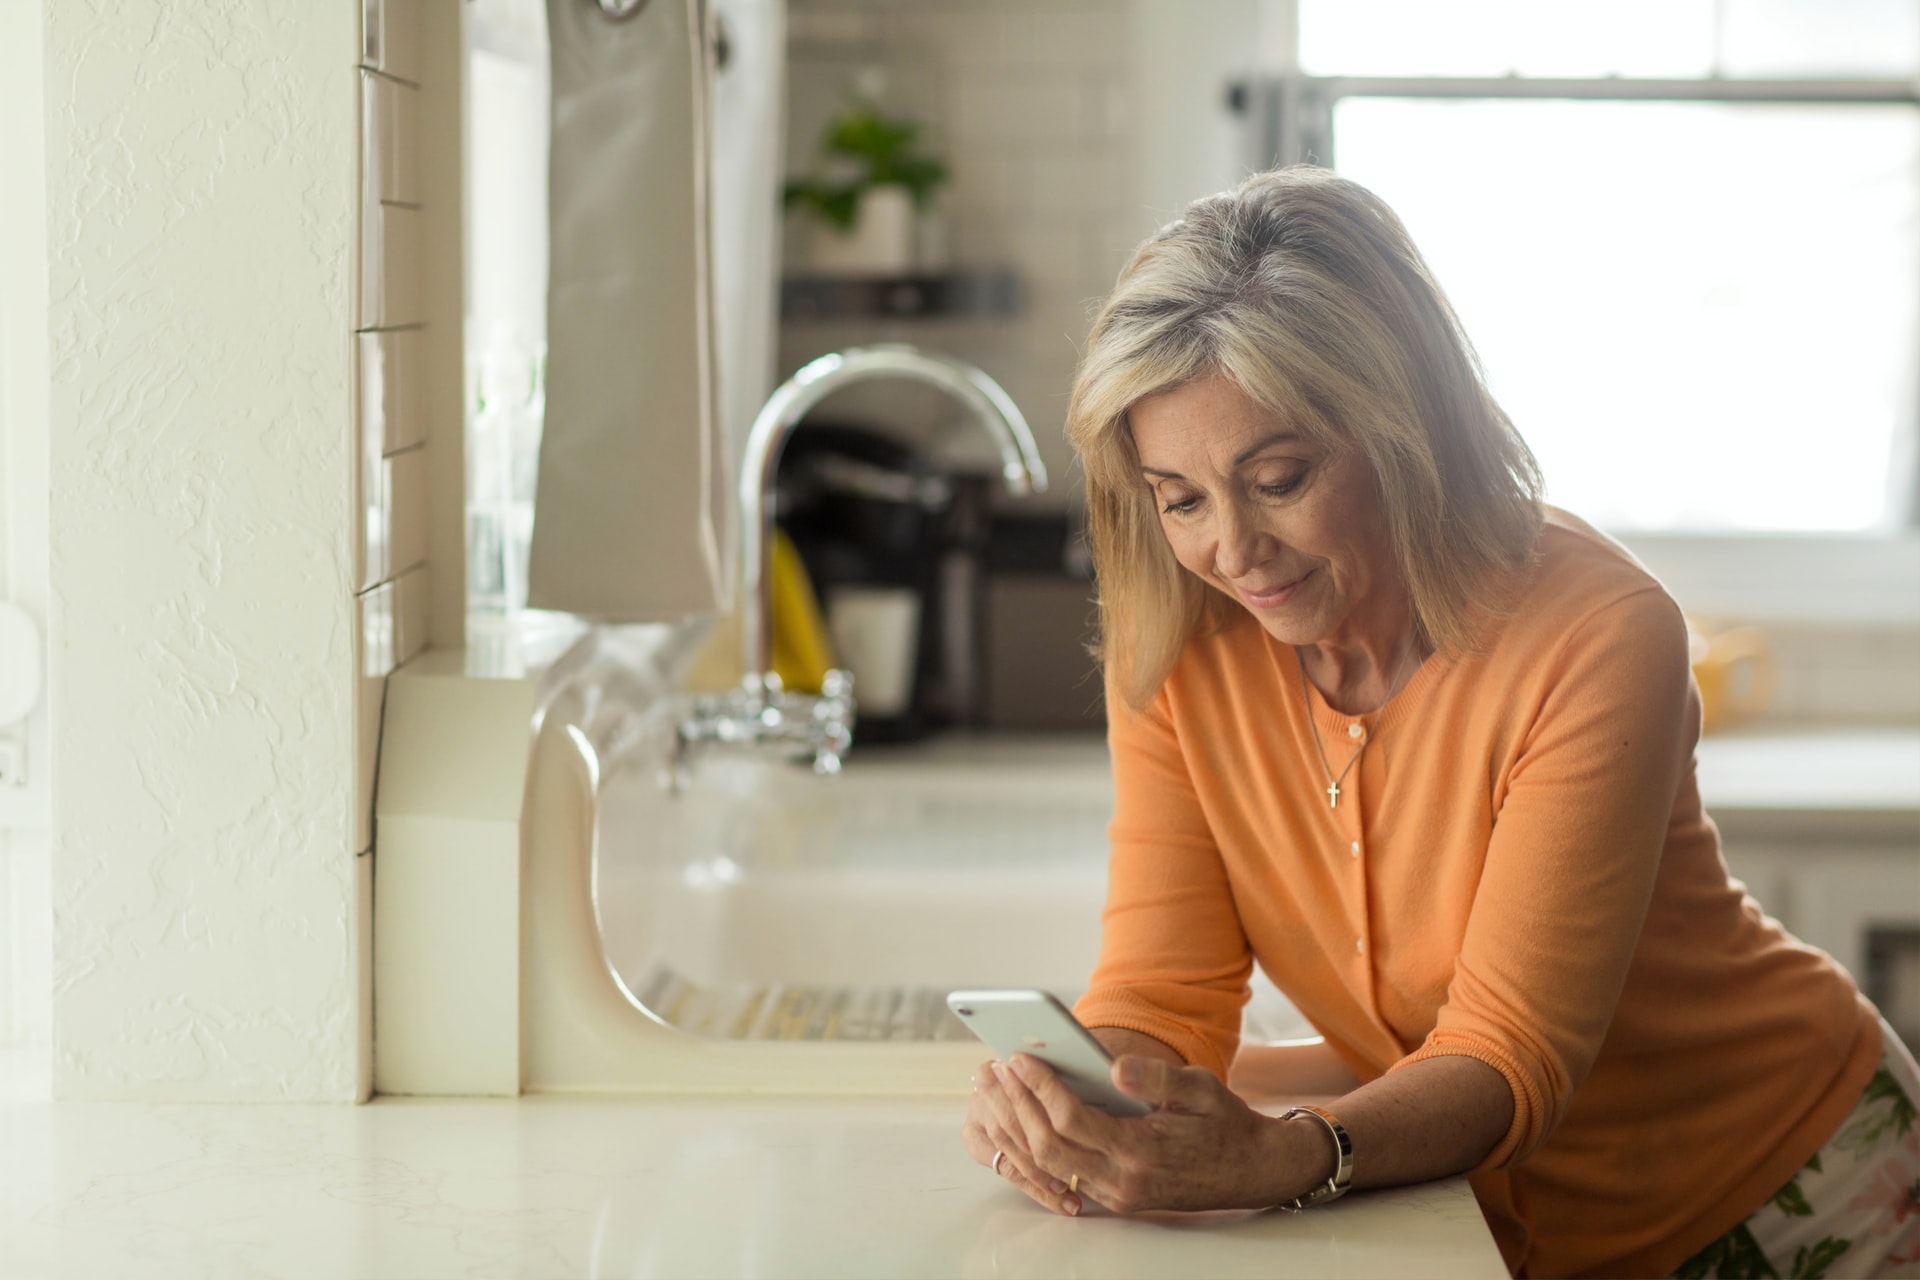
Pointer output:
x,y
1279,488
1180,506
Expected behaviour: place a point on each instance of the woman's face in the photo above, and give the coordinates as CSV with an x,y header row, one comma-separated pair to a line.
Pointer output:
x,y
1292,532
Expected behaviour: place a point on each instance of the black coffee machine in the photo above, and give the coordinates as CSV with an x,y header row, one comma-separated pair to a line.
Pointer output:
x,y
895,548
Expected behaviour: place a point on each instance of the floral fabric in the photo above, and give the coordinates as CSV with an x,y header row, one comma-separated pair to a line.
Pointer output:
x,y
1854,1210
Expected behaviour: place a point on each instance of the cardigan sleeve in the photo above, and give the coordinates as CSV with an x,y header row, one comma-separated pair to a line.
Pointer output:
x,y
1174,960
1582,810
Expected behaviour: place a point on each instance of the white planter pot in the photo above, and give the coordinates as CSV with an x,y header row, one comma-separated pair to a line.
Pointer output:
x,y
880,244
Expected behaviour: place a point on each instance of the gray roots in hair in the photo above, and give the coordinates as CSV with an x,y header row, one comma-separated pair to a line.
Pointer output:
x,y
1304,290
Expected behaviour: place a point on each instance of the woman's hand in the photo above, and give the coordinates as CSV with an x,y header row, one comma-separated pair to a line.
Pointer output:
x,y
1002,1148
1201,1148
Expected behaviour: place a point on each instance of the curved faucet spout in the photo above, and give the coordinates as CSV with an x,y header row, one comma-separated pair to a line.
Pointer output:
x,y
991,406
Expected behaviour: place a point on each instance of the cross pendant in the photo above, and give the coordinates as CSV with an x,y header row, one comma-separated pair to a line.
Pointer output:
x,y
1333,795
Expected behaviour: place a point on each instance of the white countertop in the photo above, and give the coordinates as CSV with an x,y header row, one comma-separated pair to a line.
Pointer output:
x,y
633,1187
1825,779
636,1186
1813,768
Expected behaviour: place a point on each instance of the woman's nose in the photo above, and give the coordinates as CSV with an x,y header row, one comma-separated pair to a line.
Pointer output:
x,y
1240,546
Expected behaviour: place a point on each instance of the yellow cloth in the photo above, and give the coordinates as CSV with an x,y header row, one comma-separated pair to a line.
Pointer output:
x,y
1519,871
802,653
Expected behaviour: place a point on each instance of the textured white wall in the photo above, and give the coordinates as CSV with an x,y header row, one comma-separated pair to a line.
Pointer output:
x,y
25,925
201,196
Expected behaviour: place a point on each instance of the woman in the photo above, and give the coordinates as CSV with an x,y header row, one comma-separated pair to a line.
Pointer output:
x,y
1423,749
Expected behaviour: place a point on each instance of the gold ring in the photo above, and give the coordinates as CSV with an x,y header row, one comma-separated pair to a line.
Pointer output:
x,y
1073,1183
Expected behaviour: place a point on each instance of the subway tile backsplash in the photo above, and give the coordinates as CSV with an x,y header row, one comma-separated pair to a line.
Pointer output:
x,y
391,578
1854,674
390,242
1028,106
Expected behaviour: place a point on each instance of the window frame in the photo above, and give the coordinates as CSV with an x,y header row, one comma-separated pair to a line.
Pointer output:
x,y
1772,577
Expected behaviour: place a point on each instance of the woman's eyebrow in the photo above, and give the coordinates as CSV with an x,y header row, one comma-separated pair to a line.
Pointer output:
x,y
1253,450
1282,436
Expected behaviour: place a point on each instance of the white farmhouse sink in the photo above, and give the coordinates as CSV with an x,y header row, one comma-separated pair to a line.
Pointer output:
x,y
770,904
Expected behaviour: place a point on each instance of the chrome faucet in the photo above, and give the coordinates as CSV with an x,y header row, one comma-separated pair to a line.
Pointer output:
x,y
760,714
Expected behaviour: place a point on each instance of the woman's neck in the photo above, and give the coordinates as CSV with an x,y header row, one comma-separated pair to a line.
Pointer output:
x,y
1357,675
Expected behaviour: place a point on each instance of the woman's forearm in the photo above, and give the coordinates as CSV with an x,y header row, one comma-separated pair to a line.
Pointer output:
x,y
1431,1119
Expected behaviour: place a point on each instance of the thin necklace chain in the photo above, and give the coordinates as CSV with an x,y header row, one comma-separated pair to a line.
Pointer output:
x,y
1306,699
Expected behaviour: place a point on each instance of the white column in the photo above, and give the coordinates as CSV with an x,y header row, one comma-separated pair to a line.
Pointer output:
x,y
201,202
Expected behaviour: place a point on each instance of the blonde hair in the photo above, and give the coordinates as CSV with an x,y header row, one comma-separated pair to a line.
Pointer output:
x,y
1305,291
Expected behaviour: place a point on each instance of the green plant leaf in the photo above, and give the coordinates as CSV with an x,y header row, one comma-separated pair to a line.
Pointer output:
x,y
1792,1201
1900,1112
1734,1256
837,206
862,149
1812,1264
864,134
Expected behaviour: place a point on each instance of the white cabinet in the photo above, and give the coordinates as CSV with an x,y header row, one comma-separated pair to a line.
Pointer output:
x,y
1824,829
1834,896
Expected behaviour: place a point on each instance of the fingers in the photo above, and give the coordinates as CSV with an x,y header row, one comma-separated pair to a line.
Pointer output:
x,y
990,1128
1032,1151
1018,1168
1044,1136
1021,1181
1000,1132
1009,1134
1085,1125
993,1140
1065,1164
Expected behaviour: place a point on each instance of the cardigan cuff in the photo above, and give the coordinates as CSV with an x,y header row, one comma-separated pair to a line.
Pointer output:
x,y
1105,1009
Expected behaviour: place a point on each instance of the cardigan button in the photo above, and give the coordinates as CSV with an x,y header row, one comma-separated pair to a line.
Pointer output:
x,y
1354,730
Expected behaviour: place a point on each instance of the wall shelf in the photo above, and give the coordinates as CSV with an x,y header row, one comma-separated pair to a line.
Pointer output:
x,y
941,295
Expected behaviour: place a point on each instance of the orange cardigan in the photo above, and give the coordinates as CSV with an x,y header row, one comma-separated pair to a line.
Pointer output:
x,y
1519,871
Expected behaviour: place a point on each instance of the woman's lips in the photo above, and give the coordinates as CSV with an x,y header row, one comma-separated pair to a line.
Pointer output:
x,y
1272,598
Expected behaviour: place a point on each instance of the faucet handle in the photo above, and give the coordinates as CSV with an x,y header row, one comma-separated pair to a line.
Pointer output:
x,y
814,729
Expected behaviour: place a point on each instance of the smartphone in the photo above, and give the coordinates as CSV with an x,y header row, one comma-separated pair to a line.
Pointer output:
x,y
1033,1022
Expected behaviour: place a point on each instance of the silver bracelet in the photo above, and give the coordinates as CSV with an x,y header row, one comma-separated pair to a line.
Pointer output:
x,y
1342,1180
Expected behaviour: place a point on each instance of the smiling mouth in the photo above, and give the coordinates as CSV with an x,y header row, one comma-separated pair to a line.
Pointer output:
x,y
1272,597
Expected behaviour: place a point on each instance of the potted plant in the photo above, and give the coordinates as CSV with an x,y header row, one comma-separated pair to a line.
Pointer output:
x,y
862,203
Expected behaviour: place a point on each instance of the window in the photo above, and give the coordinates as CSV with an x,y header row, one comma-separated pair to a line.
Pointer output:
x,y
1693,280
1701,315
1642,39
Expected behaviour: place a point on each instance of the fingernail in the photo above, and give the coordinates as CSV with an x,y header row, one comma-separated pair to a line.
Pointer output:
x,y
1071,1204
1056,1186
1132,1071
1023,1066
